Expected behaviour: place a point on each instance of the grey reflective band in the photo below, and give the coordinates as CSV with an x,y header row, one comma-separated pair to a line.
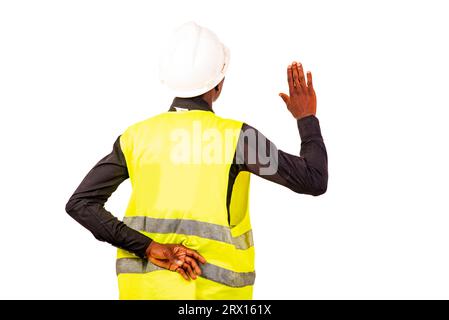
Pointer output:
x,y
135,265
227,277
190,227
209,271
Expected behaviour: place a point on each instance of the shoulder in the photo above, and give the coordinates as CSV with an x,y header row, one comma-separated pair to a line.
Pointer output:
x,y
230,123
136,130
141,125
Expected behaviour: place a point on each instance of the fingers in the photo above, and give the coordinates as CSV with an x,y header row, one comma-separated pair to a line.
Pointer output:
x,y
191,264
291,84
166,264
195,255
295,75
296,78
285,97
189,271
194,265
302,81
309,80
183,273
311,90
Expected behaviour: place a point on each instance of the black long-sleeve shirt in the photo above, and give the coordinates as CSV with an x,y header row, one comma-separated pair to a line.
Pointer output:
x,y
305,174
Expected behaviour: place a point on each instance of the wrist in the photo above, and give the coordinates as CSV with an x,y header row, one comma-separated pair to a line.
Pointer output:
x,y
303,115
149,248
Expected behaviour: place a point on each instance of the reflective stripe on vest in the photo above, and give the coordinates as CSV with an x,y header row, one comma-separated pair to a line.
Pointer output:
x,y
190,227
209,271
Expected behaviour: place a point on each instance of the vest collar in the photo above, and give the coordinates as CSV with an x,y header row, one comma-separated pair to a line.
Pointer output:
x,y
195,103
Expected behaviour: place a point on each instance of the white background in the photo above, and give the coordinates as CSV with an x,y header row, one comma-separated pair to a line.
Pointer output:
x,y
75,74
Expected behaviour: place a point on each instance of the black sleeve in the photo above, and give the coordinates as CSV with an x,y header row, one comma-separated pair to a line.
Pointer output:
x,y
87,204
306,173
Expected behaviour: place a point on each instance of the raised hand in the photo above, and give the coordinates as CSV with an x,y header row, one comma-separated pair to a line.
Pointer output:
x,y
302,99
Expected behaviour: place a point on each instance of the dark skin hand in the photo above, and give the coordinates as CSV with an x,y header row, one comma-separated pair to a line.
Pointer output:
x,y
302,99
175,257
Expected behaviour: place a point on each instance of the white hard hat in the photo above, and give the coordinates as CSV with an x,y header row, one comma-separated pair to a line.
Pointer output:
x,y
194,62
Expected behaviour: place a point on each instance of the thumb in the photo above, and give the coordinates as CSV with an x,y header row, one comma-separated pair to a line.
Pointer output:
x,y
285,97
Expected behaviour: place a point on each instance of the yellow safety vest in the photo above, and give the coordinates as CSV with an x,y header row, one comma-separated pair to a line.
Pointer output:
x,y
179,164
